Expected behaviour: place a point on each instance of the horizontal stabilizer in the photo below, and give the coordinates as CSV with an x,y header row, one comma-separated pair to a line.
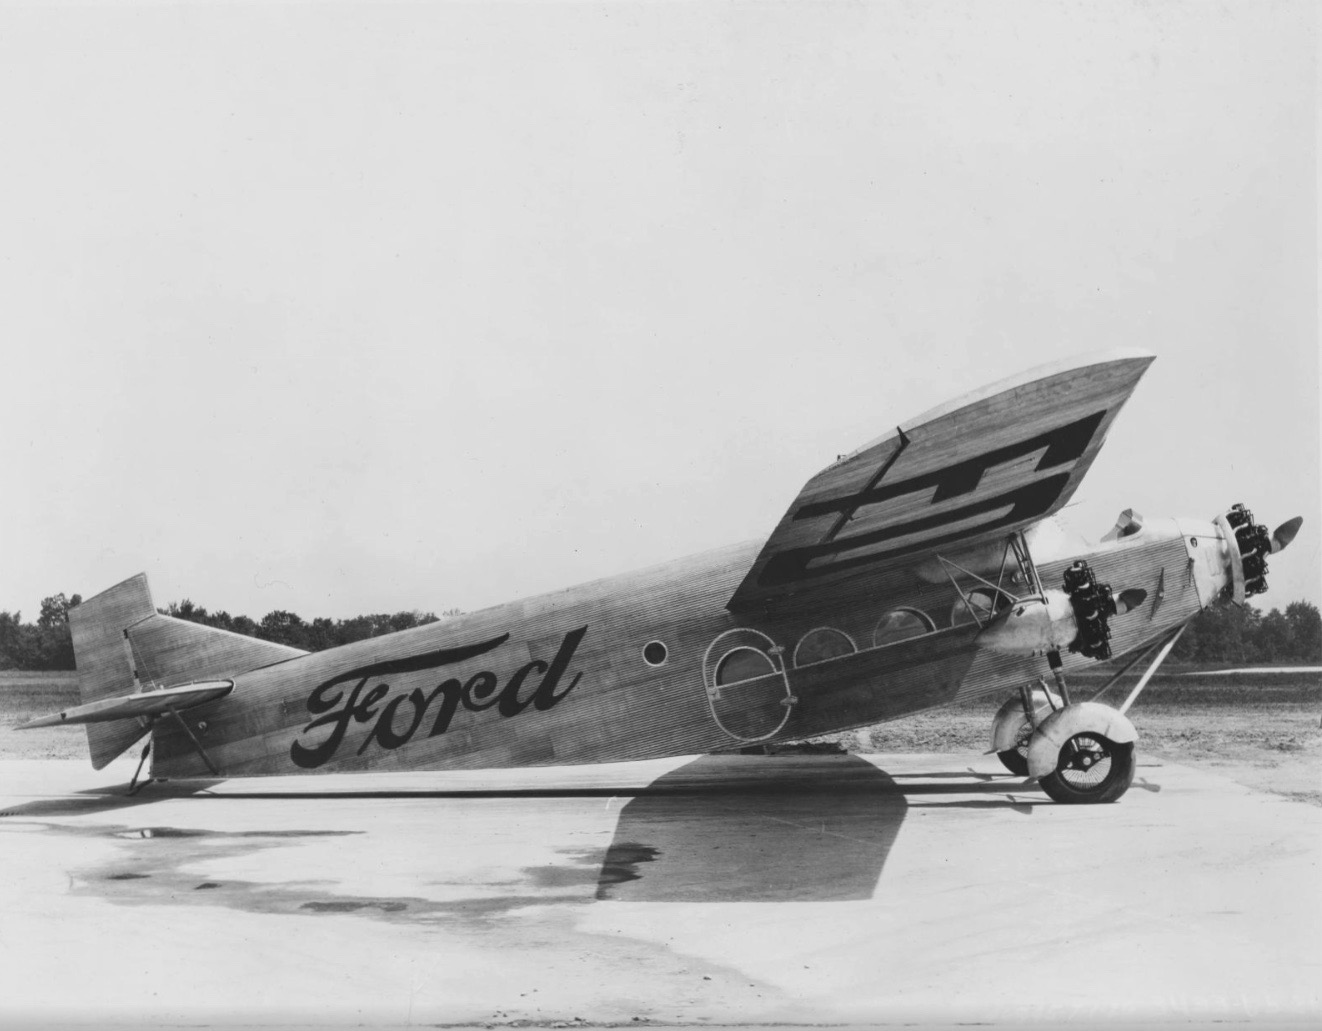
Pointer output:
x,y
148,703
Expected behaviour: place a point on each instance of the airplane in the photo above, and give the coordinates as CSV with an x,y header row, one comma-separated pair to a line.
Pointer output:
x,y
921,570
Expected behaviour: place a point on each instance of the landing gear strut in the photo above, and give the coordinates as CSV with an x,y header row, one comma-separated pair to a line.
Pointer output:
x,y
1080,752
1015,722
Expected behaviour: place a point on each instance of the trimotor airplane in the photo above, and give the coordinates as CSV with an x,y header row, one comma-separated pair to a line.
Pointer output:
x,y
920,570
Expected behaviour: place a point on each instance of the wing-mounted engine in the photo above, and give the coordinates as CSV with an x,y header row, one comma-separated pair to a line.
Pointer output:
x,y
1075,618
1093,605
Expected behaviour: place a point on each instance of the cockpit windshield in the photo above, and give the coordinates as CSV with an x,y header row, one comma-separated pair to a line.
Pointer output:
x,y
1127,524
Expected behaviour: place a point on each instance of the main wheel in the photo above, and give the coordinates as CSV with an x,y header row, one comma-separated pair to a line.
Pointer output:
x,y
1011,727
1091,768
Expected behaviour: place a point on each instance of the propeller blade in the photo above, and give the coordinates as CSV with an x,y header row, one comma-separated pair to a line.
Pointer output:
x,y
1285,533
1130,599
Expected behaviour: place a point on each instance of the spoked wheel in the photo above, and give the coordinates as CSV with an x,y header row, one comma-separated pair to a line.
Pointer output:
x,y
1091,768
1016,759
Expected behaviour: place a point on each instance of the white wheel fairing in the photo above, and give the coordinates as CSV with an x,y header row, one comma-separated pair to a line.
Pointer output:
x,y
1009,721
1059,727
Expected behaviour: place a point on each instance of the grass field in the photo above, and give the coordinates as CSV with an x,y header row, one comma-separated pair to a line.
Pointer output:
x,y
1261,730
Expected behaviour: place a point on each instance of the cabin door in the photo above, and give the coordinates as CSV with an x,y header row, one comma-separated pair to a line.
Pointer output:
x,y
747,689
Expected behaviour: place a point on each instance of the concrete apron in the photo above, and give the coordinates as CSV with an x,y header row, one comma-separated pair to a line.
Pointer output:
x,y
732,889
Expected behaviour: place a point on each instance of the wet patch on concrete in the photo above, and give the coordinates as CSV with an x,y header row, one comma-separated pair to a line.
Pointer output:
x,y
621,864
354,905
1307,797
595,868
152,869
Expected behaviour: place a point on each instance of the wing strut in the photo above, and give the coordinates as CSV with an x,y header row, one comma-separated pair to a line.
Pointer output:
x,y
1161,657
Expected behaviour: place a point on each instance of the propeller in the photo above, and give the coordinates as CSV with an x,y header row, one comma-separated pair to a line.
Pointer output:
x,y
1285,533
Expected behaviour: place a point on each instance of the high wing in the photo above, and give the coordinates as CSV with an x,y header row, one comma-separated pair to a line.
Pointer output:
x,y
973,470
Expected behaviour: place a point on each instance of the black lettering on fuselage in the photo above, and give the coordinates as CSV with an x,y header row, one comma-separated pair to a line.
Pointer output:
x,y
400,718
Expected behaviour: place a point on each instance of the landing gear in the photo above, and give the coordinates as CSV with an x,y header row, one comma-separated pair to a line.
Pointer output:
x,y
1079,752
1016,759
1013,727
1090,768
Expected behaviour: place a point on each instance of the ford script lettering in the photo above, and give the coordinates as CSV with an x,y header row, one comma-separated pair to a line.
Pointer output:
x,y
395,720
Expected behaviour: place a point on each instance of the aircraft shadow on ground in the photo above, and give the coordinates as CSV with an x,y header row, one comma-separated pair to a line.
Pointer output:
x,y
770,834
105,799
718,829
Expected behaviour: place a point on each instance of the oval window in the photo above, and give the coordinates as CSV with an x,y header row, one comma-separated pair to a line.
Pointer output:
x,y
741,664
983,601
821,644
899,625
654,654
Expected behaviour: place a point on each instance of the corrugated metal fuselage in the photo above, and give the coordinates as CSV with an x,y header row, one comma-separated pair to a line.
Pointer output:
x,y
566,678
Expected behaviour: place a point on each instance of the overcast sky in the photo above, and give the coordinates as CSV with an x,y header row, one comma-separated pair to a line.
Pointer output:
x,y
350,308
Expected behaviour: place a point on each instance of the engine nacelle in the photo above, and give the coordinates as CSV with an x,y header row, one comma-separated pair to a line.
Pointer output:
x,y
1033,627
1077,618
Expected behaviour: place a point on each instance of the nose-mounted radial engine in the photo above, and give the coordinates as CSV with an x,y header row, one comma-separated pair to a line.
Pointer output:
x,y
1083,752
1254,545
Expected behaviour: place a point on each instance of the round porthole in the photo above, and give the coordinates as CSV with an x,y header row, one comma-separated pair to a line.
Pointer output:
x,y
654,654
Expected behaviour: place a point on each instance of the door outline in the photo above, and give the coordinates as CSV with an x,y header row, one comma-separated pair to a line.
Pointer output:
x,y
767,647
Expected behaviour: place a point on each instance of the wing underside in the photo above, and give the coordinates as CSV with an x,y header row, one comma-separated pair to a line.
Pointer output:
x,y
974,470
147,703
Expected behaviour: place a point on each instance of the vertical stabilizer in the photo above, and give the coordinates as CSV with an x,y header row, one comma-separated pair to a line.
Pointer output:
x,y
105,660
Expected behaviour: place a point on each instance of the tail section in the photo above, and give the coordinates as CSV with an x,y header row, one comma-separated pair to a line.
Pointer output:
x,y
99,627
124,647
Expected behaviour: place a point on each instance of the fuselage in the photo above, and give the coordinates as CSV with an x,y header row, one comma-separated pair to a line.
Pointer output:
x,y
652,663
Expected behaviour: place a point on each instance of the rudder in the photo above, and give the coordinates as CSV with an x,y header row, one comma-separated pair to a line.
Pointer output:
x,y
99,628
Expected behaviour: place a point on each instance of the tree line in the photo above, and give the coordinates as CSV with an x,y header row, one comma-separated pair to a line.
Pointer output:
x,y
1229,634
1223,634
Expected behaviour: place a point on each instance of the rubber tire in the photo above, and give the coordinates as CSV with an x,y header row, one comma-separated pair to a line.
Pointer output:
x,y
1015,761
1117,782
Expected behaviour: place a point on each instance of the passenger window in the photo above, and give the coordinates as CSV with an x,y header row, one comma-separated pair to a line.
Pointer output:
x,y
821,644
741,664
899,625
983,601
